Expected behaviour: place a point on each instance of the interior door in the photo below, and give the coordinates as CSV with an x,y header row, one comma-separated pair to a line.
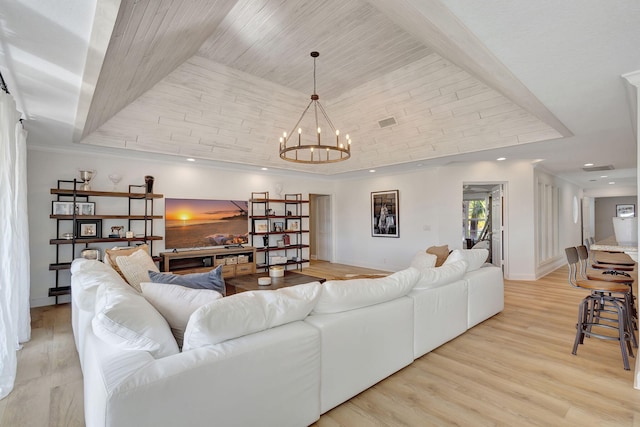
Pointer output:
x,y
497,228
321,230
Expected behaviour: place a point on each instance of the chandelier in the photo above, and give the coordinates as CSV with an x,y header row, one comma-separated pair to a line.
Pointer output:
x,y
316,151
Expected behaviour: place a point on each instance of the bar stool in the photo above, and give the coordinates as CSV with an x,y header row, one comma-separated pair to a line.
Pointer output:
x,y
605,308
611,274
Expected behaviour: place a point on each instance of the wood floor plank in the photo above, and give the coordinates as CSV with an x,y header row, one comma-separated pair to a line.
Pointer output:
x,y
515,368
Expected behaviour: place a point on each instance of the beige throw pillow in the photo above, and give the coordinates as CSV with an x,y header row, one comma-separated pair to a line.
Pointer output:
x,y
110,255
135,268
441,252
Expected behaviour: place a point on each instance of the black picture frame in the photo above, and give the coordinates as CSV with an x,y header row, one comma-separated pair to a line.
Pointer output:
x,y
385,216
626,211
278,227
89,229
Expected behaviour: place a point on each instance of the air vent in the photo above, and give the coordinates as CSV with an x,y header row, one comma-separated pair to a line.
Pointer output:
x,y
598,168
387,122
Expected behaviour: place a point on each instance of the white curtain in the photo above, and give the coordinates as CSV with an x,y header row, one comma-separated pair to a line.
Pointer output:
x,y
15,321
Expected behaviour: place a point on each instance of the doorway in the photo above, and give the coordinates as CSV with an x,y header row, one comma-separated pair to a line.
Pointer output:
x,y
483,219
320,227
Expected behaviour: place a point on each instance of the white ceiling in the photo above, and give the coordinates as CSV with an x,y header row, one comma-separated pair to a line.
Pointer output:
x,y
221,80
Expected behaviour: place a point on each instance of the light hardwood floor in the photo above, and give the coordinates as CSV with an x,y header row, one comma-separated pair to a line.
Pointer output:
x,y
515,369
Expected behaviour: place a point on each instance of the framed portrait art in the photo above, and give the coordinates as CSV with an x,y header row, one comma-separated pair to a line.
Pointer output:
x,y
384,214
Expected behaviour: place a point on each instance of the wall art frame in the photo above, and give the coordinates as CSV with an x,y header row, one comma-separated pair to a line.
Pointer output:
x,y
89,229
626,211
385,217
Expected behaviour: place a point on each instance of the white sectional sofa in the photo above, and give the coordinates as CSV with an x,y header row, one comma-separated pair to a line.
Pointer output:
x,y
269,358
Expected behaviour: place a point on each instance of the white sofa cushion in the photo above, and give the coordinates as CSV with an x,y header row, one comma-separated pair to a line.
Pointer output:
x,y
344,295
177,303
475,258
126,320
439,276
135,268
423,260
86,276
247,313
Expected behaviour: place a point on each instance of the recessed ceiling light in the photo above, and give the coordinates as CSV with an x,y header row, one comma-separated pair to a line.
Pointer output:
x,y
588,165
501,159
191,160
611,182
604,176
264,169
419,164
372,170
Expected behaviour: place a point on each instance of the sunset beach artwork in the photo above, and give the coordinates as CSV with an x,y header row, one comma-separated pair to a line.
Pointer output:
x,y
200,223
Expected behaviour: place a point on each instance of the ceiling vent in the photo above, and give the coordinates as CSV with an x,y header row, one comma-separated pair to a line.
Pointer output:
x,y
598,168
387,122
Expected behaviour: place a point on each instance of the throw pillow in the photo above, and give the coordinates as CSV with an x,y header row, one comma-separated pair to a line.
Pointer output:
x,y
247,313
210,280
177,303
135,268
442,252
344,295
126,320
475,258
423,260
439,276
110,255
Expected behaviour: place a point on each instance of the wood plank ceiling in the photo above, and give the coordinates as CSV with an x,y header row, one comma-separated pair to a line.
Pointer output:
x,y
221,80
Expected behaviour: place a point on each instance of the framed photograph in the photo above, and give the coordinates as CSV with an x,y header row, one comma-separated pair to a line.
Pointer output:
x,y
67,208
626,211
85,208
261,225
384,213
293,225
62,208
89,228
278,227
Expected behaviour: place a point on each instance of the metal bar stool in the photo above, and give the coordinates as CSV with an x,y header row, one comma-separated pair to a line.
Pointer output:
x,y
605,308
610,275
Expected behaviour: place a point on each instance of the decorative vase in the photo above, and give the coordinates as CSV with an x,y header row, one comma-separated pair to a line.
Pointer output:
x,y
148,180
265,240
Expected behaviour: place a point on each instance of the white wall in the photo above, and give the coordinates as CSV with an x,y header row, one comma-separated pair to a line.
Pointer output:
x,y
418,209
173,179
569,233
605,210
431,214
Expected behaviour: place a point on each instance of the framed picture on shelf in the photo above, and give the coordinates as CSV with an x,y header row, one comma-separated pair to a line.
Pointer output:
x,y
85,208
625,211
278,227
67,208
62,208
261,225
293,225
384,213
89,228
